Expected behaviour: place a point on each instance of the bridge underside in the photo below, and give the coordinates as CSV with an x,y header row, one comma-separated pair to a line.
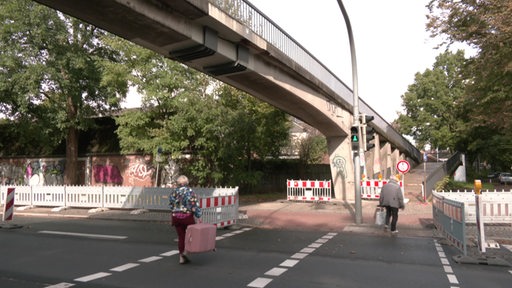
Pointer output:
x,y
196,33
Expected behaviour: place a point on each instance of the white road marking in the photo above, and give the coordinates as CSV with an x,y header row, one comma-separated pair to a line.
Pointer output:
x,y
453,279
150,259
446,265
276,271
124,267
170,253
92,277
259,282
61,285
299,255
97,236
289,263
307,250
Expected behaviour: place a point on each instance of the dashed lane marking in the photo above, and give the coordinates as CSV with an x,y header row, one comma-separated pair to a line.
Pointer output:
x,y
123,267
93,277
261,282
446,265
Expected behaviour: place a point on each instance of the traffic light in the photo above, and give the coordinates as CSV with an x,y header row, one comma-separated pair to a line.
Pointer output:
x,y
354,138
368,133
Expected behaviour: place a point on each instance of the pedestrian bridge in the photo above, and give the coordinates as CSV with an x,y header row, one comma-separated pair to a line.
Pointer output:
x,y
236,43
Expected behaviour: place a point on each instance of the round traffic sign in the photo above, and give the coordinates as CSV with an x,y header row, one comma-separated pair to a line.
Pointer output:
x,y
403,166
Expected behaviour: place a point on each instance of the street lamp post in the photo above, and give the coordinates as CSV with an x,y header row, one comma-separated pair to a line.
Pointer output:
x,y
357,154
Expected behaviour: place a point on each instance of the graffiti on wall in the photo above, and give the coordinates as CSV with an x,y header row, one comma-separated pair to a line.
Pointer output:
x,y
107,174
132,170
32,172
122,170
140,171
339,163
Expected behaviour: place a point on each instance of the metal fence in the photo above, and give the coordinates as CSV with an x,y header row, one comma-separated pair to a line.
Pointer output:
x,y
219,205
449,220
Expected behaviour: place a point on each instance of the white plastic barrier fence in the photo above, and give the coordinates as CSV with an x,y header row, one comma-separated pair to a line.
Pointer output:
x,y
370,189
220,205
496,205
308,190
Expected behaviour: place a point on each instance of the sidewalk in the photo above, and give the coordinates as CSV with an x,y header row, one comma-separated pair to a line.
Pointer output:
x,y
415,220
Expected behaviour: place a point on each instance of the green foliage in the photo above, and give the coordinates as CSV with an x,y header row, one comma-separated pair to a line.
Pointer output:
x,y
431,103
56,74
212,130
486,105
448,184
312,149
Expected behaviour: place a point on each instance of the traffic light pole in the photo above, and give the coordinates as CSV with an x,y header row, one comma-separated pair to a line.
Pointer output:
x,y
357,152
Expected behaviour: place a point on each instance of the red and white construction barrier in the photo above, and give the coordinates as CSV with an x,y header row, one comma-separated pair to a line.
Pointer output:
x,y
370,189
308,190
8,205
221,211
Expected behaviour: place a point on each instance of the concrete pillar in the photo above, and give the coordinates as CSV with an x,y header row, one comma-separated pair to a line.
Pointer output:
x,y
369,164
342,168
387,165
377,159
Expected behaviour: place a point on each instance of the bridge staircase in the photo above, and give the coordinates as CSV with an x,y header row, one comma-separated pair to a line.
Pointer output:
x,y
415,178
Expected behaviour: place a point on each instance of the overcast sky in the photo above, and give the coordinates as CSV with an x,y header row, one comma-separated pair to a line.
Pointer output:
x,y
390,41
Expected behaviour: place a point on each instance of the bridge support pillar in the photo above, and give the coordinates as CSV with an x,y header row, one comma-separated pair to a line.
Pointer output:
x,y
342,168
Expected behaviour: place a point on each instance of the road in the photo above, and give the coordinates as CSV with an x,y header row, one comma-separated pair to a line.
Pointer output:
x,y
63,252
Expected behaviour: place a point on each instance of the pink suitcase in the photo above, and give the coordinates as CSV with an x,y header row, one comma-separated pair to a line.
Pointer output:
x,y
200,238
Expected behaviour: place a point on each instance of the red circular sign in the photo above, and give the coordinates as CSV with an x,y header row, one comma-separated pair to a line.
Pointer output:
x,y
403,166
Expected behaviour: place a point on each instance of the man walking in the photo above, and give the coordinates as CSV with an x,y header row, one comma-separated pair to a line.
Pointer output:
x,y
392,199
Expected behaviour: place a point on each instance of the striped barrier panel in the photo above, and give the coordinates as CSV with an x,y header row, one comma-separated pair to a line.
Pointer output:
x,y
8,205
370,189
308,190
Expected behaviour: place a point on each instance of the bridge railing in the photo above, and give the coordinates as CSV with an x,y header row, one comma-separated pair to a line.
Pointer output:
x,y
247,14
446,169
264,27
219,205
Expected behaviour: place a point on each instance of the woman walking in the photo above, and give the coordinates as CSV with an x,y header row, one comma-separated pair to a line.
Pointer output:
x,y
184,207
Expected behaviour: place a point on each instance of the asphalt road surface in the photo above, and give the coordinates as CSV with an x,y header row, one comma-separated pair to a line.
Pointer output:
x,y
59,253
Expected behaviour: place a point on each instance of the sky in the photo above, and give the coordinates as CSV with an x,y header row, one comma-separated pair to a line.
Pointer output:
x,y
390,40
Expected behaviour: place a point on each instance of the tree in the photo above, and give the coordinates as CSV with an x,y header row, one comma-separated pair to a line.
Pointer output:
x,y
431,103
184,112
55,74
487,27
